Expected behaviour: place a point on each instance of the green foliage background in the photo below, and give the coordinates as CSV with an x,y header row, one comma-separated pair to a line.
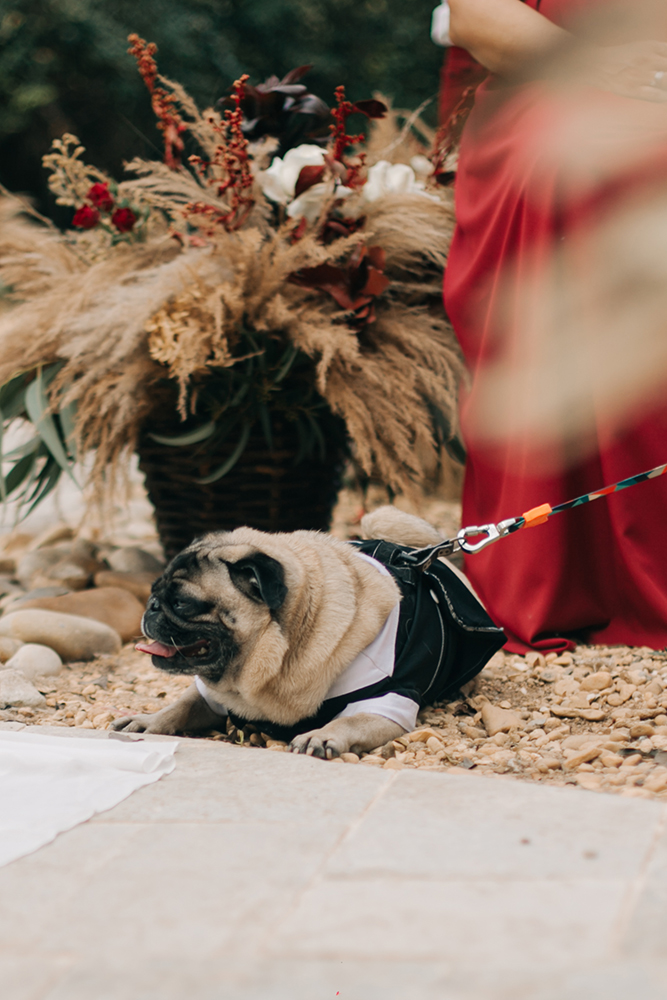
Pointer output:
x,y
64,65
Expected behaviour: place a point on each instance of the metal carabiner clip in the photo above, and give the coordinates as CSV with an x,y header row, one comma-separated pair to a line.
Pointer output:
x,y
490,532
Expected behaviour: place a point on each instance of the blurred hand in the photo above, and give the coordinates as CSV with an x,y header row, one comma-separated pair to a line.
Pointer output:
x,y
637,70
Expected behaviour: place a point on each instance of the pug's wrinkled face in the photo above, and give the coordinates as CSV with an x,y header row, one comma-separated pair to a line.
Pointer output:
x,y
202,609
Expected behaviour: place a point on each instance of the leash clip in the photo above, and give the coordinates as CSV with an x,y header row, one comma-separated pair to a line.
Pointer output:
x,y
491,532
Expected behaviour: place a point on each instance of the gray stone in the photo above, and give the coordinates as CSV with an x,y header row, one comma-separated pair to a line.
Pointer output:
x,y
72,636
132,559
36,562
21,596
17,691
34,660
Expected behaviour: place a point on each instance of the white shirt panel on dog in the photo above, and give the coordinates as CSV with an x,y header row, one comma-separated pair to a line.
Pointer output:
x,y
392,706
213,703
377,660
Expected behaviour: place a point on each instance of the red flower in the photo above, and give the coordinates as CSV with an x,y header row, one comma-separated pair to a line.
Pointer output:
x,y
101,196
86,217
124,219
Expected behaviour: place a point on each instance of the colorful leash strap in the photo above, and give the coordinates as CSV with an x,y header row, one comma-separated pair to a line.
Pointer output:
x,y
422,558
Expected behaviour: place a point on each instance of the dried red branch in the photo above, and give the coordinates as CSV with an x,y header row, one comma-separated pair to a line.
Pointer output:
x,y
449,133
342,111
229,170
169,121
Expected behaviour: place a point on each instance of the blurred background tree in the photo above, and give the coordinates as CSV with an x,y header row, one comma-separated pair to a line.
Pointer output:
x,y
64,66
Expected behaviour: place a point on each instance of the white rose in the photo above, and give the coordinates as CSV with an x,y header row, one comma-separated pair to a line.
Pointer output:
x,y
309,204
279,182
392,178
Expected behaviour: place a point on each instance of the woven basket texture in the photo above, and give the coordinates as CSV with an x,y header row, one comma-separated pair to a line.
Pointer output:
x,y
265,489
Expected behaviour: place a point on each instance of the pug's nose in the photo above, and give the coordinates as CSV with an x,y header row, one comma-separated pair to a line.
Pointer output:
x,y
153,604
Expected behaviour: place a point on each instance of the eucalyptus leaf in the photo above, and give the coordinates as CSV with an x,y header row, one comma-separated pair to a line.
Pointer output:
x,y
23,449
286,364
3,488
319,436
192,437
20,472
12,402
265,420
36,405
67,422
46,483
304,434
231,461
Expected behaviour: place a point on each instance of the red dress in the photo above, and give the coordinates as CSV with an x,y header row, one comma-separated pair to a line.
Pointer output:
x,y
598,572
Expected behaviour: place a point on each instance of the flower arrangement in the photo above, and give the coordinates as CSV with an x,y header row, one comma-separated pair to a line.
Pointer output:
x,y
249,283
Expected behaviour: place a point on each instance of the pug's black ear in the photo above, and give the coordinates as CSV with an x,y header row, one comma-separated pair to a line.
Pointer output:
x,y
261,578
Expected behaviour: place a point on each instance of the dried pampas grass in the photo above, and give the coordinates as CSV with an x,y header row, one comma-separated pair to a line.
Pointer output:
x,y
123,315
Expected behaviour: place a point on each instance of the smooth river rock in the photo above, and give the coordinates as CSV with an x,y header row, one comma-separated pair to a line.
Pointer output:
x,y
132,559
34,660
138,584
113,606
17,691
72,636
8,647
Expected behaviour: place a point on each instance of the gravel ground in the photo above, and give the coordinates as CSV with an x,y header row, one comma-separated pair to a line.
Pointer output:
x,y
596,718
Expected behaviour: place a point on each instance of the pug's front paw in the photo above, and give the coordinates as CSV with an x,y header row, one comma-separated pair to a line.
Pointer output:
x,y
151,723
316,744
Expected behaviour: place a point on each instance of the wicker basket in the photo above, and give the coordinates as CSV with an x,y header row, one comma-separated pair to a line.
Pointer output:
x,y
265,489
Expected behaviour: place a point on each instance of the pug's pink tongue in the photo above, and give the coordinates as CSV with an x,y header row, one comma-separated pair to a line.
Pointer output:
x,y
156,649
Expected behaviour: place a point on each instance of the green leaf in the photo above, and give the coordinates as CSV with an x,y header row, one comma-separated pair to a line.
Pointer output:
x,y
19,473
68,424
265,420
305,440
286,364
23,449
3,488
192,437
11,397
319,436
231,461
240,394
45,484
36,405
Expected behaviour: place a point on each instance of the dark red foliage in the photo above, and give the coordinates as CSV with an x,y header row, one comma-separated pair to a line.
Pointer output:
x,y
101,197
124,219
333,228
449,135
353,287
86,217
284,109
307,178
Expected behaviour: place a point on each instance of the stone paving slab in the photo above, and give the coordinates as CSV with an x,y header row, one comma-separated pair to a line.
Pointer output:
x,y
263,875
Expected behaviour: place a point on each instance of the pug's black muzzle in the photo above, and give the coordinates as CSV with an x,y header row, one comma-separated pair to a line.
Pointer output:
x,y
204,648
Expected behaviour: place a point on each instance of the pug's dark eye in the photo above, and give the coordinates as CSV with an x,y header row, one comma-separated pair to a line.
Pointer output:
x,y
185,606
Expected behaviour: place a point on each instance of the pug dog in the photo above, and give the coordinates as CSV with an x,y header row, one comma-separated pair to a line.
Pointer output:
x,y
309,637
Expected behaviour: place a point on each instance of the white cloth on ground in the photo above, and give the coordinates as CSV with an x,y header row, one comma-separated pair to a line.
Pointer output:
x,y
49,784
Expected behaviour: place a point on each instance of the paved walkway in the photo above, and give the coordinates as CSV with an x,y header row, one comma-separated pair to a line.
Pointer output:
x,y
255,875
